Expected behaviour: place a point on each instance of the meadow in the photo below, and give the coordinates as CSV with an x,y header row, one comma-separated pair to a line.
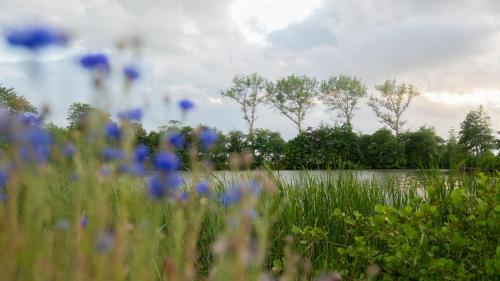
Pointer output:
x,y
95,204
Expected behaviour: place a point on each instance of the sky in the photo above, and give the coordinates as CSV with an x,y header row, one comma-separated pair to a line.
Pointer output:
x,y
450,50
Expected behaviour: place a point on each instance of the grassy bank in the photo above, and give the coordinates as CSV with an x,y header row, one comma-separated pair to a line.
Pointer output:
x,y
83,224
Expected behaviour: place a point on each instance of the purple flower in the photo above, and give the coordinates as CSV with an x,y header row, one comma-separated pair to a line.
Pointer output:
x,y
4,179
69,149
131,73
174,181
97,62
141,153
186,104
105,242
36,145
63,224
111,154
36,37
203,188
113,131
156,187
131,115
232,196
208,137
84,222
176,140
166,161
29,118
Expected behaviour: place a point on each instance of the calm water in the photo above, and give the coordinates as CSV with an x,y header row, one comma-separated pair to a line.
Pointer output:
x,y
400,175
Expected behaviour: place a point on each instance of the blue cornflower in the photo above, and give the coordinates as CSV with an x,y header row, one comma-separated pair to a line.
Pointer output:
x,y
232,196
98,62
131,73
203,188
113,131
176,140
208,137
84,222
29,118
4,179
111,153
131,115
156,187
183,196
141,153
105,242
255,188
63,224
37,145
36,37
166,161
174,181
186,104
69,149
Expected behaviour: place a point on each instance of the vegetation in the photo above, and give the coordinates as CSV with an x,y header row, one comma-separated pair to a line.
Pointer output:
x,y
101,200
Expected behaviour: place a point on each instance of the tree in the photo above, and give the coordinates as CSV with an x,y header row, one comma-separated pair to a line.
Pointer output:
x,y
382,150
342,93
15,103
249,92
268,148
78,114
476,134
293,97
394,99
421,148
236,142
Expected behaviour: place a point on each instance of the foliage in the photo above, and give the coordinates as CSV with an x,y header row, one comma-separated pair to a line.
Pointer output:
x,y
248,91
476,134
382,150
15,103
293,97
343,93
78,114
422,148
392,102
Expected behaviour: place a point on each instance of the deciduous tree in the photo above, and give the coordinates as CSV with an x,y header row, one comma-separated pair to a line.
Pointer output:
x,y
293,97
342,94
392,102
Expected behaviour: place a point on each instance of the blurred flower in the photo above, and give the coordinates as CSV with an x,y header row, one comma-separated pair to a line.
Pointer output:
x,y
232,196
84,222
113,131
63,224
36,145
105,171
131,73
111,153
141,153
131,115
156,187
186,104
203,188
255,188
208,137
166,161
174,181
36,37
105,241
95,62
69,149
4,179
175,140
183,196
29,118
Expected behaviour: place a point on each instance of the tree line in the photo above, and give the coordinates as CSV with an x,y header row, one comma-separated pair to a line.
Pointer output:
x,y
294,96
323,147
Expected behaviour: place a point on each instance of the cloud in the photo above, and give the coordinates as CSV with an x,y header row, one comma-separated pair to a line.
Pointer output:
x,y
193,49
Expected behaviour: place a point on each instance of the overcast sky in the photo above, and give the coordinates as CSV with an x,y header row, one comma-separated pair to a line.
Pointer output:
x,y
449,49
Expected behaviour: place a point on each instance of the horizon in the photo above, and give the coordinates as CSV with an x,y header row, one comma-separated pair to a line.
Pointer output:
x,y
193,50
